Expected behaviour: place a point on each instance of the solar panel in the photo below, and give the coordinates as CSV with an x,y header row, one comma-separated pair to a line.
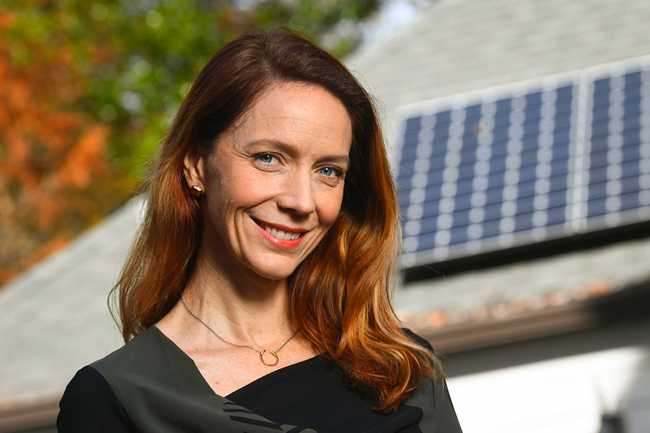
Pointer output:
x,y
617,153
524,164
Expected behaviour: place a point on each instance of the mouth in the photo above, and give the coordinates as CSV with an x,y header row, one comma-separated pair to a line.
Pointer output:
x,y
279,235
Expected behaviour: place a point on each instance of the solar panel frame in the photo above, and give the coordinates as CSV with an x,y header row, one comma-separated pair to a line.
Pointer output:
x,y
574,220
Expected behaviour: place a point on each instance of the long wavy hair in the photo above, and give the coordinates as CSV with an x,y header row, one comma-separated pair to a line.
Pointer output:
x,y
340,294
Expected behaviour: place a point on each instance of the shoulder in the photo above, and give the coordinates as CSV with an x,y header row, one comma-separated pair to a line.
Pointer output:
x,y
89,402
87,379
86,388
136,356
101,374
97,394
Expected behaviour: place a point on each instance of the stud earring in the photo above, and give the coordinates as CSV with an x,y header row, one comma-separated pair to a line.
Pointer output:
x,y
197,191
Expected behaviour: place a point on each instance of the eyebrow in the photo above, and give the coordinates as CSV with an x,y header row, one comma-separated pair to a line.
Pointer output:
x,y
291,150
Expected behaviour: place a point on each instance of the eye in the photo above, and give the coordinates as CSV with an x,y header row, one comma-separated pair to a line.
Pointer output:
x,y
266,158
331,171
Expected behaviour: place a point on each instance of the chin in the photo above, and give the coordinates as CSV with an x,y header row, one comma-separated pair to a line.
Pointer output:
x,y
278,269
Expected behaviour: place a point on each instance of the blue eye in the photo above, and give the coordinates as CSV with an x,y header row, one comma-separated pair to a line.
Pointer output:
x,y
331,172
266,158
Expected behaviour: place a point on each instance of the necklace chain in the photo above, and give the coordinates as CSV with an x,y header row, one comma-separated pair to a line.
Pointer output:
x,y
262,353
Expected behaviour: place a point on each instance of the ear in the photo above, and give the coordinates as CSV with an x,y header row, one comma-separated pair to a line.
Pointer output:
x,y
193,169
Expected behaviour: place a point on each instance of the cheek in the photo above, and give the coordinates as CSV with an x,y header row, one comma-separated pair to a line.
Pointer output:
x,y
239,189
330,207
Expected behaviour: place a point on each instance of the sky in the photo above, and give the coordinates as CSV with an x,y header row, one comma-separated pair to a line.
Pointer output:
x,y
393,15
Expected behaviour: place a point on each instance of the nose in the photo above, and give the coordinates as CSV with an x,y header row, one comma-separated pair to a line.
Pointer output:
x,y
297,195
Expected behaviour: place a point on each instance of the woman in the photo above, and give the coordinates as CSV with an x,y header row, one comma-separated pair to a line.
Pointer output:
x,y
256,296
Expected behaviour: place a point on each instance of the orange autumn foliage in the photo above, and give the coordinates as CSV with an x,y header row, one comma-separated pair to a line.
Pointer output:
x,y
51,155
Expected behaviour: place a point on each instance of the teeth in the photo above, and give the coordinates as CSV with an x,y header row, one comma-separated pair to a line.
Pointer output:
x,y
282,235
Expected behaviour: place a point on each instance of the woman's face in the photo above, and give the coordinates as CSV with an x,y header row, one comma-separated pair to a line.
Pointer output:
x,y
274,181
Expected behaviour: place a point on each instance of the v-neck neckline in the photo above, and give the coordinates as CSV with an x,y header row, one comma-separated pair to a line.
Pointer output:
x,y
196,372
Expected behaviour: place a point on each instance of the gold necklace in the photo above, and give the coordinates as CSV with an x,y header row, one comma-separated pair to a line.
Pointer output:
x,y
273,354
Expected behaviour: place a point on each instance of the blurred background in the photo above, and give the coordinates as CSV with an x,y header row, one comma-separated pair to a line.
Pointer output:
x,y
519,137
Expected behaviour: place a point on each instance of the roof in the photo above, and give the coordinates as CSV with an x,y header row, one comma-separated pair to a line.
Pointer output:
x,y
54,316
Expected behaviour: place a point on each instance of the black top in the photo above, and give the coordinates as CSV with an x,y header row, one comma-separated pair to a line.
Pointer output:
x,y
151,385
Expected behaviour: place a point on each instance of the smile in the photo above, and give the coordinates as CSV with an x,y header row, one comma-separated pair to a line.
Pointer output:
x,y
280,236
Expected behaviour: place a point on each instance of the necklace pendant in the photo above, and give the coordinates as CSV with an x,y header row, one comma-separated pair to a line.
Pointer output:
x,y
269,358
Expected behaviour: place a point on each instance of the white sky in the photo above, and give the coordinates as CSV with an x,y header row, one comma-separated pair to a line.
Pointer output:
x,y
393,15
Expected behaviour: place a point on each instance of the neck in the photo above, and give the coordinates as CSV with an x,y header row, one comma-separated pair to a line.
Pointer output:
x,y
237,304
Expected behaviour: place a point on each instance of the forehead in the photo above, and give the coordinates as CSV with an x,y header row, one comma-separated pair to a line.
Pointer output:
x,y
303,115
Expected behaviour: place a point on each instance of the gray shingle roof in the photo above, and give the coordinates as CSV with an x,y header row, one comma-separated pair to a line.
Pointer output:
x,y
515,288
54,317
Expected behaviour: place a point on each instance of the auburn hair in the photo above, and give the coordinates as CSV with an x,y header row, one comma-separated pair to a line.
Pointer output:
x,y
340,294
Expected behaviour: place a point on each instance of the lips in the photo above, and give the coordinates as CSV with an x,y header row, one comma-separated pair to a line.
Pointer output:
x,y
280,236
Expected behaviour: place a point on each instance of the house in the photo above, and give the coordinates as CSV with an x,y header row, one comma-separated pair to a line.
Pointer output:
x,y
537,335
540,330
